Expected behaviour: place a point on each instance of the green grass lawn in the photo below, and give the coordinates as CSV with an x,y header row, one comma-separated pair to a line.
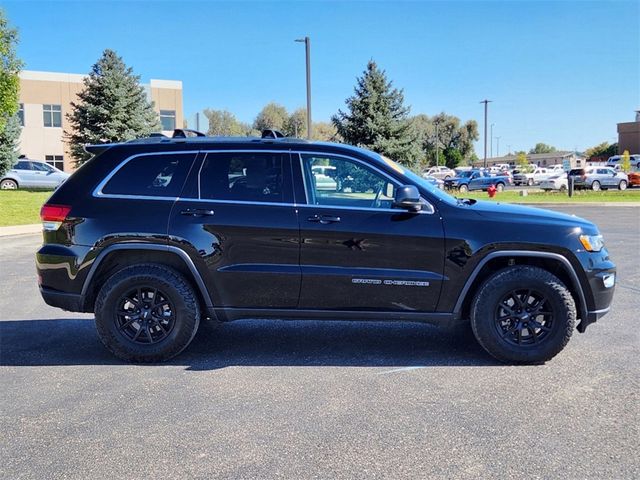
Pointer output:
x,y
511,196
21,207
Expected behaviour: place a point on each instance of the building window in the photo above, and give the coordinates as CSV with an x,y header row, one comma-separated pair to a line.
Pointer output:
x,y
168,119
21,114
55,161
52,115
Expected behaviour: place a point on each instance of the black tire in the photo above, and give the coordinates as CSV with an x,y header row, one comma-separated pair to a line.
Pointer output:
x,y
499,328
530,182
622,185
117,307
595,186
500,187
463,188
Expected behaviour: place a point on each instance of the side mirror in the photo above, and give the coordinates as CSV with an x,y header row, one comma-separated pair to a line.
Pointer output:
x,y
408,197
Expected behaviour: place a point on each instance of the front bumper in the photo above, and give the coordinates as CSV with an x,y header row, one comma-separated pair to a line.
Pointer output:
x,y
601,278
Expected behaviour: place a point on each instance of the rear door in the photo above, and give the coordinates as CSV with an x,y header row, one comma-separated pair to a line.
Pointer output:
x,y
26,173
238,220
357,252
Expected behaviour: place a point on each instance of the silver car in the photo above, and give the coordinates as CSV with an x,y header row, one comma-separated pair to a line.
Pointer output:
x,y
32,174
441,173
598,178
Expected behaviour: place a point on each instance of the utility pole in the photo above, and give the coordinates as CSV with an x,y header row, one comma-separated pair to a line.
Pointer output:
x,y
198,121
498,146
486,104
307,45
437,145
492,139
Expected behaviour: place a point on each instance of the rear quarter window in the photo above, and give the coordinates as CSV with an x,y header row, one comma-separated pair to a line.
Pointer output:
x,y
151,175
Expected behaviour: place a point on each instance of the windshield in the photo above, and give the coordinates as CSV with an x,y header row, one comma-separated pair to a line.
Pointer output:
x,y
421,182
465,174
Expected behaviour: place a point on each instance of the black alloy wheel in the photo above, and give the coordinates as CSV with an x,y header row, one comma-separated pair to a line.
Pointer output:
x,y
145,315
524,317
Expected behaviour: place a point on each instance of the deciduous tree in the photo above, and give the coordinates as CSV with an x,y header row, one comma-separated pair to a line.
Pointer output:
x,y
224,123
272,116
543,148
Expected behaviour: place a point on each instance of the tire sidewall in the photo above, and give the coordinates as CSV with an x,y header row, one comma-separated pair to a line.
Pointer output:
x,y
494,290
186,320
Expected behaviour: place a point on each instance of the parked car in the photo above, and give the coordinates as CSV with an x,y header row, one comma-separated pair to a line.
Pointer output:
x,y
152,259
531,178
555,182
476,180
597,178
436,182
441,173
634,160
634,177
32,174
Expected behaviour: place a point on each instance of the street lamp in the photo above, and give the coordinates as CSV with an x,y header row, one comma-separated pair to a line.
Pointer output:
x,y
307,45
486,104
498,146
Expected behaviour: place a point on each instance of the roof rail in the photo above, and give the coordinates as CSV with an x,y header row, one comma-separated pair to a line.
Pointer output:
x,y
186,132
272,133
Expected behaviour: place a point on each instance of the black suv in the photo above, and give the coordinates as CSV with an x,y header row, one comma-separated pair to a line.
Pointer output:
x,y
157,234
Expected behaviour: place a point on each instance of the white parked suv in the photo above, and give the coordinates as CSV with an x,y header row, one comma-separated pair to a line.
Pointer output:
x,y
32,174
535,177
441,173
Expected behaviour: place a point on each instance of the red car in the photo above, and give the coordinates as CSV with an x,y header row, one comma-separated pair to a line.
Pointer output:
x,y
634,178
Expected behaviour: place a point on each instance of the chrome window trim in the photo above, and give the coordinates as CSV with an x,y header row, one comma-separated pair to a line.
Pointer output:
x,y
97,192
395,182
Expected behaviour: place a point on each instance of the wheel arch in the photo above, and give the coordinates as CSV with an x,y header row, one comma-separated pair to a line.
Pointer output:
x,y
13,179
116,257
553,262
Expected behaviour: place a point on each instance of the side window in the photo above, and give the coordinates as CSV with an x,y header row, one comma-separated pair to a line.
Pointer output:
x,y
342,182
22,165
246,176
151,175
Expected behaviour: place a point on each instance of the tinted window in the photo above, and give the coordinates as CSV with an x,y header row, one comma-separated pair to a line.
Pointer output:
x,y
151,175
342,182
250,177
23,166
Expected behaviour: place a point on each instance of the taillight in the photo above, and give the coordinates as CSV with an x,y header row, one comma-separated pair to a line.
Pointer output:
x,y
53,215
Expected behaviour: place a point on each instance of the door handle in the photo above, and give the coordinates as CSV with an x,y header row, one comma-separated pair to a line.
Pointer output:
x,y
197,212
323,219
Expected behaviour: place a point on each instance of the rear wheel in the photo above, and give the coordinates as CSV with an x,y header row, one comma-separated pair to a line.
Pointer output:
x,y
530,182
8,184
595,186
463,188
146,313
523,314
500,187
622,185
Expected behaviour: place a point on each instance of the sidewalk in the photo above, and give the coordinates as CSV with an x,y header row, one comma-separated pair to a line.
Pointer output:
x,y
20,229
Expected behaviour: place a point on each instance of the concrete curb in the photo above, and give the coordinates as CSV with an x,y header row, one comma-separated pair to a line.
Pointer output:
x,y
20,230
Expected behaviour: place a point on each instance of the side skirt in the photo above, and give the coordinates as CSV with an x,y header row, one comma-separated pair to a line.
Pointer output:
x,y
230,314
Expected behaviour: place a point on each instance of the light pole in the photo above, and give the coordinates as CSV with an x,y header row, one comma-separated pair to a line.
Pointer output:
x,y
307,45
498,146
437,145
492,139
486,105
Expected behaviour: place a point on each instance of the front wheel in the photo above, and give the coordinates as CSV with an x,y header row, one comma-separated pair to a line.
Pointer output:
x,y
523,314
595,186
463,188
530,182
146,313
622,185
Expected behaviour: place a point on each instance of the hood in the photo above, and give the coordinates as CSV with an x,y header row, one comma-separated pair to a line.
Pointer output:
x,y
521,213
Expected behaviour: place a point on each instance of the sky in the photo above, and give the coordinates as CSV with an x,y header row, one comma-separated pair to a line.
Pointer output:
x,y
564,73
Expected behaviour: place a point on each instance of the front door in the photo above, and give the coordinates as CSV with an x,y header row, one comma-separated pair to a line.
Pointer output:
x,y
357,252
238,218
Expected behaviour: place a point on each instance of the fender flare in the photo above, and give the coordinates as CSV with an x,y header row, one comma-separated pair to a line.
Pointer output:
x,y
582,303
150,246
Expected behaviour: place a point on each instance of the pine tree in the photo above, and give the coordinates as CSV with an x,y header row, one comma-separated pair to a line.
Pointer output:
x,y
377,118
9,137
113,107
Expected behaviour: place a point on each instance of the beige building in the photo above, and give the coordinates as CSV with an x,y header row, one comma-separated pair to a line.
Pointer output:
x,y
538,159
629,137
45,100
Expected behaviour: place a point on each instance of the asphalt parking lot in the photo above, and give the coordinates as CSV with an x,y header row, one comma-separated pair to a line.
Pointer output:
x,y
318,400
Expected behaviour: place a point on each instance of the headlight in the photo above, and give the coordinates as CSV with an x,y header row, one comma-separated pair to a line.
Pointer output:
x,y
592,243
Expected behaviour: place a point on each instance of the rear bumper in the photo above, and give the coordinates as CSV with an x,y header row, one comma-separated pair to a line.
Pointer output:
x,y
71,302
